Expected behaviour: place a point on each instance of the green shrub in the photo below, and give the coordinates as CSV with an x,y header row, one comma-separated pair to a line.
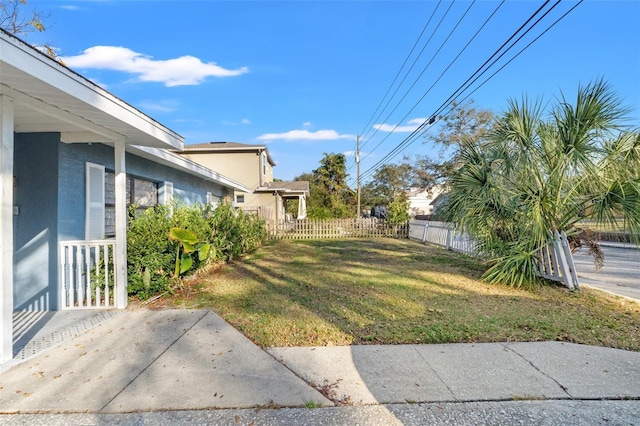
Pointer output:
x,y
151,254
235,233
398,211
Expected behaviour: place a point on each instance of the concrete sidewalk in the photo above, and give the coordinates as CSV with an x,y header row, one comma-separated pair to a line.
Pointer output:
x,y
153,360
146,361
467,372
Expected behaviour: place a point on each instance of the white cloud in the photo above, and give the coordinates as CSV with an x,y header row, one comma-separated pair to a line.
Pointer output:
x,y
159,106
244,121
319,135
182,71
306,124
412,125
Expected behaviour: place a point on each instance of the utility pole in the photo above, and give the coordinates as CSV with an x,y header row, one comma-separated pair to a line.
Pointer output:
x,y
358,164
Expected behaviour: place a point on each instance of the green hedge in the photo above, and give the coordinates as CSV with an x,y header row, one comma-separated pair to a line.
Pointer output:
x,y
151,256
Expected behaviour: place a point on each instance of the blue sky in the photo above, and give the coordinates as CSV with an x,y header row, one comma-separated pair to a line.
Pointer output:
x,y
306,77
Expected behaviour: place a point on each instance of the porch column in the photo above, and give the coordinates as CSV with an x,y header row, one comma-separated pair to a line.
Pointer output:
x,y
121,226
6,227
302,207
277,197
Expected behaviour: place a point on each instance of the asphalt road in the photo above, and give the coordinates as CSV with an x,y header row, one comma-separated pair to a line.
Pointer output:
x,y
620,274
555,412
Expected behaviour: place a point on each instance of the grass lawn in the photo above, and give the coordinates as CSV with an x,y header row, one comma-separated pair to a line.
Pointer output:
x,y
388,291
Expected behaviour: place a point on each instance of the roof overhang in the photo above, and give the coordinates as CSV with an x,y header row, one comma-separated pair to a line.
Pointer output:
x,y
284,192
49,97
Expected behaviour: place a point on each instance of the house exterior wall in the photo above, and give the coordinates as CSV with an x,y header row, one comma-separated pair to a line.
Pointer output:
x,y
187,188
36,223
50,195
420,200
245,167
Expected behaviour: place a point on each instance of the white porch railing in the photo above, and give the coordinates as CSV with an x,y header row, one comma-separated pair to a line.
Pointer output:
x,y
555,262
87,274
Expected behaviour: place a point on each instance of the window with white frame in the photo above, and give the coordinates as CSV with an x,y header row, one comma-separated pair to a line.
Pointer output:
x,y
264,163
239,199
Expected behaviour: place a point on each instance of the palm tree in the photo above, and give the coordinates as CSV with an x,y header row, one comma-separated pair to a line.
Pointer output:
x,y
536,174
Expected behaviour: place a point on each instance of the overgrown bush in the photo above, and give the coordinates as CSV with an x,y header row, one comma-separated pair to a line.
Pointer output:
x,y
234,233
398,211
151,255
149,251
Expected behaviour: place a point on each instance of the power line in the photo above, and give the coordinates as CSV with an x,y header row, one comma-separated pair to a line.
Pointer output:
x,y
419,76
402,145
439,77
415,44
411,138
366,126
389,156
521,50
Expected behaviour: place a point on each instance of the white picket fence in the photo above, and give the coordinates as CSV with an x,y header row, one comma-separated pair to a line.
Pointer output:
x,y
555,261
87,274
337,228
442,234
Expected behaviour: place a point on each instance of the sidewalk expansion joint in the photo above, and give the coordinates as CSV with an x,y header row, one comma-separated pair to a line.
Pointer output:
x,y
436,374
153,361
560,385
307,382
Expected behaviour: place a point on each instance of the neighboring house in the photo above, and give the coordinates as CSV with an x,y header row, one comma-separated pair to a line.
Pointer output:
x,y
420,200
72,157
440,202
252,166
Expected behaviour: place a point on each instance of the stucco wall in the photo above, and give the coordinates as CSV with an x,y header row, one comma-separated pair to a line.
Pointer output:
x,y
243,167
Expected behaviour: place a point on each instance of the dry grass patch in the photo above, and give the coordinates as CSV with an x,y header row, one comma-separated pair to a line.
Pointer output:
x,y
387,291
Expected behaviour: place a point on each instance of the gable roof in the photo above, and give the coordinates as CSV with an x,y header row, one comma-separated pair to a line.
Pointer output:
x,y
228,147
